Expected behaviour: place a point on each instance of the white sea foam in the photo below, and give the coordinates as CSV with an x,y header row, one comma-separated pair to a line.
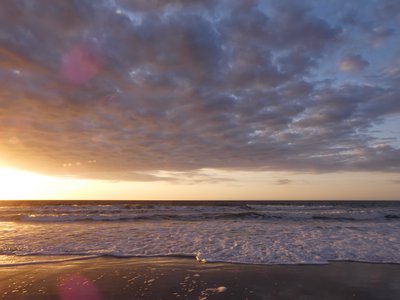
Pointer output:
x,y
260,234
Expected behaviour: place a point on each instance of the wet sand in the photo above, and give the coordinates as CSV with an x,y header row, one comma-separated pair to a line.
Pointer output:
x,y
184,278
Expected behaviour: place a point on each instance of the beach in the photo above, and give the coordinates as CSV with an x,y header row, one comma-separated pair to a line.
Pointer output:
x,y
185,278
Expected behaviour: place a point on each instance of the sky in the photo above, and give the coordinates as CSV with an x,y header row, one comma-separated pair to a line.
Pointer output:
x,y
229,99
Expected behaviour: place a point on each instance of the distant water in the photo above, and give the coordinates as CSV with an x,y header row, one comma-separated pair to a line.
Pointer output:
x,y
239,232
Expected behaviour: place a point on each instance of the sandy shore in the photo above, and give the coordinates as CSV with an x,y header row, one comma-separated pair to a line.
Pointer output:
x,y
184,278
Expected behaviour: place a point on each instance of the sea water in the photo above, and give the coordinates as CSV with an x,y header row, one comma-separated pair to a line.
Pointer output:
x,y
236,232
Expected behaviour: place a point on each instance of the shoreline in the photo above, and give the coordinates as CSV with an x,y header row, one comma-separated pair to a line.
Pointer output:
x,y
183,278
24,260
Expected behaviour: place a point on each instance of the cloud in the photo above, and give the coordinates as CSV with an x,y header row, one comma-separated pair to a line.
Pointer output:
x,y
283,181
180,86
195,177
379,34
353,63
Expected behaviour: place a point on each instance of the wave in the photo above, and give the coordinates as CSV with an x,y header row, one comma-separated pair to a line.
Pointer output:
x,y
392,217
333,218
145,212
61,218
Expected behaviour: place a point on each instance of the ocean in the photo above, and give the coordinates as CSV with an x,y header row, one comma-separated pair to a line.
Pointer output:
x,y
306,232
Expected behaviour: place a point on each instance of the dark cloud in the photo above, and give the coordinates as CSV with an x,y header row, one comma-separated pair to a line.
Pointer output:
x,y
283,181
195,177
122,89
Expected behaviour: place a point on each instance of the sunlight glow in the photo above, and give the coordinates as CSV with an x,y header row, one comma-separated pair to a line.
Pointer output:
x,y
18,184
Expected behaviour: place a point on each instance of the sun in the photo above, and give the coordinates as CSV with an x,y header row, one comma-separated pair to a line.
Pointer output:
x,y
23,185
18,184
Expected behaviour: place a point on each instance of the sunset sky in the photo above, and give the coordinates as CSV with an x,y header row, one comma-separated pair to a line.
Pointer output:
x,y
185,99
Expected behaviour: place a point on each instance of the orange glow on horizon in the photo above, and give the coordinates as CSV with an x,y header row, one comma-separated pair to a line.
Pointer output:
x,y
25,185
